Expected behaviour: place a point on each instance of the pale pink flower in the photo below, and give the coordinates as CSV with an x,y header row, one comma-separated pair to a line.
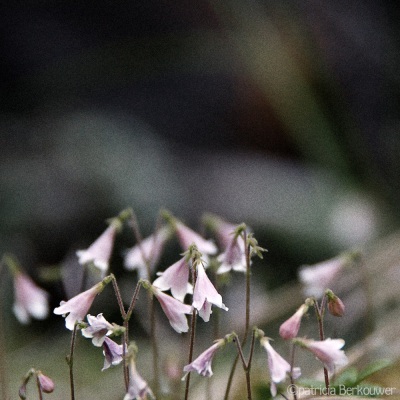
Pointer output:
x,y
100,250
233,258
319,277
138,388
29,299
174,309
202,364
327,351
46,384
277,365
113,353
290,328
147,252
187,237
205,294
176,278
98,329
78,306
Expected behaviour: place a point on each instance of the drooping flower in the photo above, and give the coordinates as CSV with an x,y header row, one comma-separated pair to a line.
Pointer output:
x,y
277,365
290,328
176,278
205,294
327,351
98,329
99,252
147,252
233,258
187,237
319,277
77,307
174,309
202,364
113,353
46,384
29,299
138,388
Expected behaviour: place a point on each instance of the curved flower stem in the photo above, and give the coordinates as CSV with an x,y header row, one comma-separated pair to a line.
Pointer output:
x,y
70,361
118,296
320,312
246,365
39,388
154,344
247,318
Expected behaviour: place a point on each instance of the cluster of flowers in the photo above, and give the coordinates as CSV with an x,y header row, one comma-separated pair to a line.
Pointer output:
x,y
186,276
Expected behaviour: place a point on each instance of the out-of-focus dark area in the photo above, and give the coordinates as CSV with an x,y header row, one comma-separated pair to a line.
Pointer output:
x,y
283,115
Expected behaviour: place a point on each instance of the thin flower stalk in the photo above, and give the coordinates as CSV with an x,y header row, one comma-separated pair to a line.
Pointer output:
x,y
70,361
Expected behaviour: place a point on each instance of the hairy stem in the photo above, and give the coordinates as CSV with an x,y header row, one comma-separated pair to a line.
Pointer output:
x,y
292,354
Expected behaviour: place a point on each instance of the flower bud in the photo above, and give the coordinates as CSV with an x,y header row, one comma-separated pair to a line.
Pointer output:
x,y
335,305
46,383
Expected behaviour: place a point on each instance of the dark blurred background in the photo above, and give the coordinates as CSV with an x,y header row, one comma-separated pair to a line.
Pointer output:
x,y
283,115
279,114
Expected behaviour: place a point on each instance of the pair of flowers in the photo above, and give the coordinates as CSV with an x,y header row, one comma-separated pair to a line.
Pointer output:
x,y
327,351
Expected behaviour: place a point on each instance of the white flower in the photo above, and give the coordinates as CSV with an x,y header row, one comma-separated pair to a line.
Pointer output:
x,y
277,365
187,237
98,330
29,299
202,364
147,252
78,306
100,250
327,351
176,278
113,353
174,310
205,294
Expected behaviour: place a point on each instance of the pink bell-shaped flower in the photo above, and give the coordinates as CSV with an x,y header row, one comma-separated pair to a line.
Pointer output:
x,y
99,252
174,309
277,365
147,253
138,388
46,384
78,306
29,299
187,237
205,294
176,278
290,328
202,364
327,351
98,329
113,353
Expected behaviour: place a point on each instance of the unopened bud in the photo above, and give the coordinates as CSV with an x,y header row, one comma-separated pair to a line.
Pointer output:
x,y
46,383
335,305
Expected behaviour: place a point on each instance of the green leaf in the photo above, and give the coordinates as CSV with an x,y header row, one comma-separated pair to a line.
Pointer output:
x,y
372,368
348,377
